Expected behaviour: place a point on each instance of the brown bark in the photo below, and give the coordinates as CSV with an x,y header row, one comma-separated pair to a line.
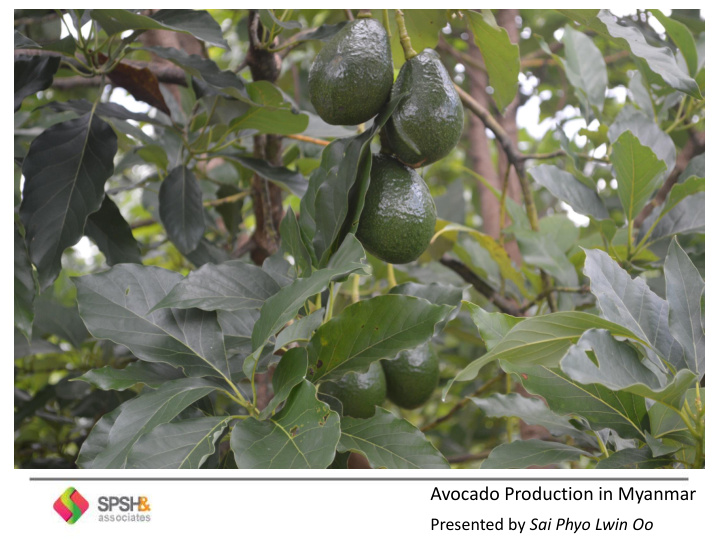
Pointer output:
x,y
480,153
266,196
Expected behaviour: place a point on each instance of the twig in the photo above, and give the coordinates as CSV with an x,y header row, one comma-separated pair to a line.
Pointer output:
x,y
305,138
505,305
585,289
464,401
515,158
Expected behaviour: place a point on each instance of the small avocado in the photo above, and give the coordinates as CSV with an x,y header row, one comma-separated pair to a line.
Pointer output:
x,y
412,377
398,219
358,392
352,75
428,124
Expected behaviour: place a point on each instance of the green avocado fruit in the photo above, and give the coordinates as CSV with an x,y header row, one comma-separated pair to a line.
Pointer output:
x,y
398,219
428,124
359,393
352,75
412,377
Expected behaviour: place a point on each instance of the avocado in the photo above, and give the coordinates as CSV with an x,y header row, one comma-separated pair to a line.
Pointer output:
x,y
352,75
412,376
398,219
427,125
358,392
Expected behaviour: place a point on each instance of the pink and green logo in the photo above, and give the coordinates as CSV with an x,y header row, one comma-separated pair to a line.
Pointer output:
x,y
71,505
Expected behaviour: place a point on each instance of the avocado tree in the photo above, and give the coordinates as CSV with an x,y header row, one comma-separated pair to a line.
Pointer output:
x,y
338,238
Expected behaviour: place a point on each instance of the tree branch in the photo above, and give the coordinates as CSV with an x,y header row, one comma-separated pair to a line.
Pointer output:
x,y
484,288
516,159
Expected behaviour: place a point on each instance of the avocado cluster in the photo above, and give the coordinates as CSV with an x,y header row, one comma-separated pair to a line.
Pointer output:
x,y
350,80
408,381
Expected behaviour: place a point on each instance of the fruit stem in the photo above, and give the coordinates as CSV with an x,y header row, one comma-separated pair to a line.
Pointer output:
x,y
364,14
386,23
403,35
391,276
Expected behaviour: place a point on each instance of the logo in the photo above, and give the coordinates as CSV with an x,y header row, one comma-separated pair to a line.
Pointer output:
x,y
71,505
124,509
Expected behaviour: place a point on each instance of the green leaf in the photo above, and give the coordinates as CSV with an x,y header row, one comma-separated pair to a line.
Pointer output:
x,y
284,305
275,118
53,318
530,453
116,305
502,57
65,172
32,74
533,412
687,216
666,422
181,209
685,289
541,341
638,173
110,446
205,69
640,95
197,23
24,287
630,303
634,458
230,286
389,442
303,435
648,133
567,188
289,372
293,181
658,61
294,244
586,71
107,111
435,293
24,42
678,193
300,330
371,330
138,372
602,408
237,326
268,20
682,37
541,250
492,326
599,359
112,234
496,251
185,444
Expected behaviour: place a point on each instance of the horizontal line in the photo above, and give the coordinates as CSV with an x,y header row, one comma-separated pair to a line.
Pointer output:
x,y
351,479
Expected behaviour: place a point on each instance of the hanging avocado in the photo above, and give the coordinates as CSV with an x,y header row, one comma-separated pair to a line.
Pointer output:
x,y
352,75
427,125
